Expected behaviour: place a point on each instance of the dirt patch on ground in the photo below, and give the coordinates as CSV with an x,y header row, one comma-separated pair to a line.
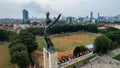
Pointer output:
x,y
66,53
67,43
39,57
71,39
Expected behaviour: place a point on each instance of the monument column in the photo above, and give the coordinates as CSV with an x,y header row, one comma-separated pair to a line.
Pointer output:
x,y
50,58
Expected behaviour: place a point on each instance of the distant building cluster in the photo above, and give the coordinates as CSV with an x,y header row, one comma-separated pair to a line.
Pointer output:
x,y
25,19
91,19
25,22
109,18
68,20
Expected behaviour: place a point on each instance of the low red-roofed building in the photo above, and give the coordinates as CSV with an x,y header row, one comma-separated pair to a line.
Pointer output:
x,y
3,27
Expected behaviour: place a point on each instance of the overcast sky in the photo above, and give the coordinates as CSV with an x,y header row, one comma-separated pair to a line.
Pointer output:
x,y
38,8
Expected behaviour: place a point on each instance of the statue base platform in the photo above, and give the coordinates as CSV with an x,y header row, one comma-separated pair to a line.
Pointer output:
x,y
50,58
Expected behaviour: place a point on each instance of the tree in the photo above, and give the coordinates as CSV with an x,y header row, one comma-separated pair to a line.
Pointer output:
x,y
79,49
102,31
57,29
20,58
17,47
10,34
91,28
112,29
13,40
76,50
114,36
3,35
20,48
102,44
35,31
29,40
35,23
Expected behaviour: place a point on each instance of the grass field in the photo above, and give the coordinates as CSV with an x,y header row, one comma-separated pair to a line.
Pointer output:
x,y
69,42
4,56
117,57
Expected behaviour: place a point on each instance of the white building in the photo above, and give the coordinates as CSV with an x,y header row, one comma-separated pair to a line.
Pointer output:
x,y
18,27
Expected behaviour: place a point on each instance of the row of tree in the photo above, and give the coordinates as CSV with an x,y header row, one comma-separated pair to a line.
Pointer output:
x,y
115,22
107,30
20,48
57,29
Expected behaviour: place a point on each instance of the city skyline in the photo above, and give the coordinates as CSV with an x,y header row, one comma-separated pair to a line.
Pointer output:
x,y
79,8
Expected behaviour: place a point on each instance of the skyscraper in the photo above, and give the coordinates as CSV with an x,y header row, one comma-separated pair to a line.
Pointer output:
x,y
69,20
91,16
98,15
25,15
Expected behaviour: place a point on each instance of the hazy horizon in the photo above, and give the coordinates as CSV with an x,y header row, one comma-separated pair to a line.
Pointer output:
x,y
76,8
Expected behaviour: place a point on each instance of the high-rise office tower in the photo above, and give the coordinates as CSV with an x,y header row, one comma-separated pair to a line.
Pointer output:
x,y
25,15
69,20
98,15
91,16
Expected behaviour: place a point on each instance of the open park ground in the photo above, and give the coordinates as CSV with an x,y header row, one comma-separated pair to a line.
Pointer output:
x,y
65,43
69,41
4,56
62,43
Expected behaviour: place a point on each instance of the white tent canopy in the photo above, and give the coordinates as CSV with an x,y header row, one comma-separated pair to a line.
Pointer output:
x,y
90,46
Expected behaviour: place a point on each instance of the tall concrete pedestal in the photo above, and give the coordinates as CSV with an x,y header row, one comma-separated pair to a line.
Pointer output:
x,y
50,58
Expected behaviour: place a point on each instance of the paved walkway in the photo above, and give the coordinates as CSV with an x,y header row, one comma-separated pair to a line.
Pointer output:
x,y
105,61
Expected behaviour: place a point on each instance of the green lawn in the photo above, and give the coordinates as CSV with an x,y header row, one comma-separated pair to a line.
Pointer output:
x,y
4,56
68,42
117,57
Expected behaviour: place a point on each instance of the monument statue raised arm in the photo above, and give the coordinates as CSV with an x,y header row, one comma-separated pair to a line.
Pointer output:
x,y
47,27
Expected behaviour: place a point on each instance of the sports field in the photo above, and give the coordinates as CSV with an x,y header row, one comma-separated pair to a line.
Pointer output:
x,y
69,42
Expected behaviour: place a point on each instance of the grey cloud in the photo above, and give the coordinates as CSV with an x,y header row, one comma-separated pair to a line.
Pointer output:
x,y
39,8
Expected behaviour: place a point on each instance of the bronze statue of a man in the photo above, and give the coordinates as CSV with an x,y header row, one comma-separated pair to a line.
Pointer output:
x,y
48,25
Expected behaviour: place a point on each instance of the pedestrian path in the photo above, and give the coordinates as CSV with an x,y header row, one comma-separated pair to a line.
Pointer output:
x,y
104,61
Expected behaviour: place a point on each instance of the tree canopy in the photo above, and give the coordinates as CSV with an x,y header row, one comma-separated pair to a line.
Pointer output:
x,y
17,47
102,44
5,34
20,58
29,40
79,49
20,48
57,29
114,36
112,29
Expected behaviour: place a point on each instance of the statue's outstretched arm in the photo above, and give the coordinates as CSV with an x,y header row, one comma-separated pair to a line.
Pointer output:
x,y
56,19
